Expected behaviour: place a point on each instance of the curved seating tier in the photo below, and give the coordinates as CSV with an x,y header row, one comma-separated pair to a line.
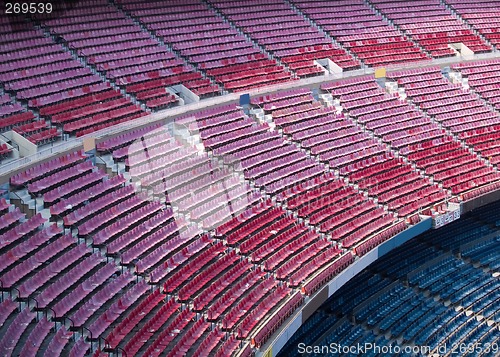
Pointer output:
x,y
201,36
128,56
481,15
419,294
377,43
254,210
416,136
431,25
286,35
43,73
460,111
73,74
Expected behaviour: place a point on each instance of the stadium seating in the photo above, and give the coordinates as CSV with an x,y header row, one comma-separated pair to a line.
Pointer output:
x,y
203,233
13,116
446,111
460,111
431,25
481,15
342,144
417,137
481,77
376,43
282,32
45,74
127,54
226,55
384,310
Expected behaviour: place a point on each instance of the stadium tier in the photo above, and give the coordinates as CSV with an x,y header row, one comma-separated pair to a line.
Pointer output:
x,y
432,25
197,178
376,43
69,72
440,289
482,16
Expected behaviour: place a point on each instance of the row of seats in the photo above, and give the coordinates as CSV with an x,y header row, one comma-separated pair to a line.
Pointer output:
x,y
479,76
174,170
235,143
13,231
11,121
337,145
13,116
49,182
401,138
448,164
44,266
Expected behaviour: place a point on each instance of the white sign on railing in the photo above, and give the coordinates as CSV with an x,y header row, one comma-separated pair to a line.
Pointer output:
x,y
445,218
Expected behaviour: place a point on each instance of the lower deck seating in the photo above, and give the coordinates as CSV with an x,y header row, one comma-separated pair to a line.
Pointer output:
x,y
417,293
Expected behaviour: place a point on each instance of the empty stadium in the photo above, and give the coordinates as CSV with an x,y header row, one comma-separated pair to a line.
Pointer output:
x,y
249,178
